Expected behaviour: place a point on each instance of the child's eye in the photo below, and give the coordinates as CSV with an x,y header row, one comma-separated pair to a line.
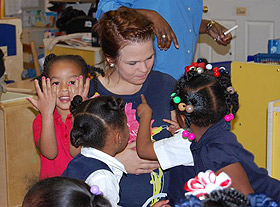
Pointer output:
x,y
72,82
55,83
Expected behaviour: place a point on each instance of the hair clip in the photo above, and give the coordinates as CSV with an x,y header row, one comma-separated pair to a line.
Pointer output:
x,y
204,183
95,190
229,117
176,99
198,67
184,107
201,66
187,134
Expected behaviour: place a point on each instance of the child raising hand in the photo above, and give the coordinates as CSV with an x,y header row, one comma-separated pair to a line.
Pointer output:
x,y
63,77
206,102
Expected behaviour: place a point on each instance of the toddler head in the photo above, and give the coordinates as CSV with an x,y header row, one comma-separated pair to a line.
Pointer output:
x,y
72,65
205,96
96,122
63,192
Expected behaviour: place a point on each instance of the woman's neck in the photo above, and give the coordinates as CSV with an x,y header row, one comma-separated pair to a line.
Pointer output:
x,y
115,84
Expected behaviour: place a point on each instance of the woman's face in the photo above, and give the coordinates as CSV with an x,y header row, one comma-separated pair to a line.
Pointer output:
x,y
135,62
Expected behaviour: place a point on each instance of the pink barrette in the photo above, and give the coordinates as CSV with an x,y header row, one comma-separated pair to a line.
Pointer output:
x,y
205,183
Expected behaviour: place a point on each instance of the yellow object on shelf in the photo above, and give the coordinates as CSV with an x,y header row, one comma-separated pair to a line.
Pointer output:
x,y
92,55
257,84
273,139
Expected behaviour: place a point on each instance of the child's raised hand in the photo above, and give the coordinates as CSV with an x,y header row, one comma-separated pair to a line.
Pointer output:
x,y
47,98
144,109
173,127
79,88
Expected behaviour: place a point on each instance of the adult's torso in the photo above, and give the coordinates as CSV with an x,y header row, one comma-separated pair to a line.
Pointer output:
x,y
136,189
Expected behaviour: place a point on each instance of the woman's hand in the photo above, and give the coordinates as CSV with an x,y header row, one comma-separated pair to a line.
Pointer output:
x,y
217,33
79,88
134,164
173,127
46,97
163,203
165,34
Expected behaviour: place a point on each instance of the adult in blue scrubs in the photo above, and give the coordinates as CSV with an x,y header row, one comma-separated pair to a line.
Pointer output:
x,y
177,21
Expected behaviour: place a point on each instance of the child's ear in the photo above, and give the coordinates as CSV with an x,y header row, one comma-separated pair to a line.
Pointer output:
x,y
118,138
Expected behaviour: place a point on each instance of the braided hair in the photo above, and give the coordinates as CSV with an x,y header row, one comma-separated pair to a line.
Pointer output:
x,y
94,118
210,96
227,197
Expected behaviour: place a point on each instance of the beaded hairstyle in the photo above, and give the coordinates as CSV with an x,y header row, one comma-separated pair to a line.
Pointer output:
x,y
210,190
94,118
204,95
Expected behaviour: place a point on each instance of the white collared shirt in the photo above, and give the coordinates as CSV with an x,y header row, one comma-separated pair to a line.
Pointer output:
x,y
174,151
107,181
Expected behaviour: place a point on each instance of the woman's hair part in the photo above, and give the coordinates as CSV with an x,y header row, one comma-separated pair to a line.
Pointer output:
x,y
118,28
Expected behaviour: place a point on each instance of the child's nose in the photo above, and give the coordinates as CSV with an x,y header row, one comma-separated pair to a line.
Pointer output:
x,y
64,87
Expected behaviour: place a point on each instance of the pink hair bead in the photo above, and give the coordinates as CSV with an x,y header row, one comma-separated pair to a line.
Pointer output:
x,y
191,136
185,133
229,117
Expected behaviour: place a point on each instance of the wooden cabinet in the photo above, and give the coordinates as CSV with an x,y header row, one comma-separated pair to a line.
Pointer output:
x,y
19,159
92,55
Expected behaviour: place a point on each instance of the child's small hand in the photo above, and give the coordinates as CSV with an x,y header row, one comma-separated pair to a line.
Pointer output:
x,y
163,203
144,109
79,88
46,98
173,127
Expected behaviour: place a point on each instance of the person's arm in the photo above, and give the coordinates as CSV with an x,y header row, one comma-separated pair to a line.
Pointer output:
x,y
144,144
164,33
215,30
108,5
133,163
46,104
239,178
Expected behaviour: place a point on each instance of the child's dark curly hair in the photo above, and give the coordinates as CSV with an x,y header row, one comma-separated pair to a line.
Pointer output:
x,y
209,96
228,197
63,192
94,118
